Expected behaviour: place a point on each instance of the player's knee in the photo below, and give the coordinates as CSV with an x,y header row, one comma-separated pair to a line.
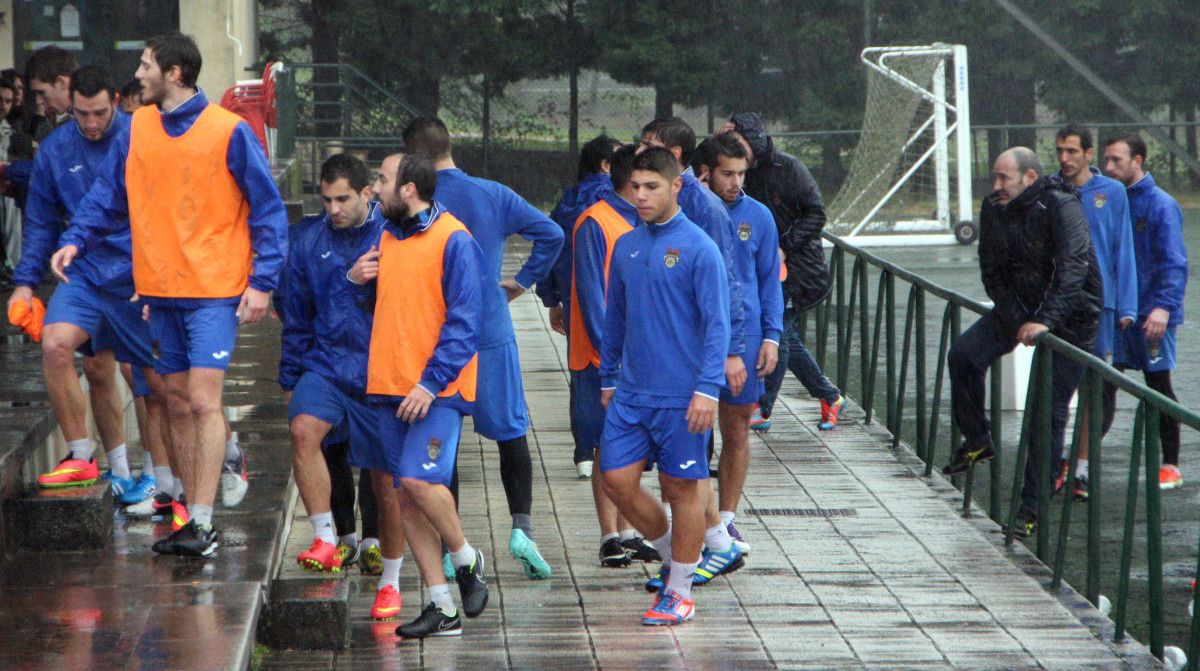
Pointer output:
x,y
305,434
57,349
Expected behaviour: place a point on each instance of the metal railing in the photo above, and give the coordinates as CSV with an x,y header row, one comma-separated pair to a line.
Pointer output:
x,y
875,335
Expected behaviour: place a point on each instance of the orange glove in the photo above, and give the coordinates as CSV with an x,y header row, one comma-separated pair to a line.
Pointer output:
x,y
26,319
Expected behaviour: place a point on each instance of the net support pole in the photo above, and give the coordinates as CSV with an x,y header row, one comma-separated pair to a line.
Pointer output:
x,y
962,116
941,161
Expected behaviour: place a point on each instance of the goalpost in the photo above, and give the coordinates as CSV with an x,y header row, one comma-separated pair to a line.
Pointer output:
x,y
898,189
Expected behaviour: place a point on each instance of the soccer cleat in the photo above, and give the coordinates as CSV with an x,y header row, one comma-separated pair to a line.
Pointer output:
x,y
147,507
758,422
321,557
431,622
349,554
1026,525
190,541
371,560
447,567
736,535
713,564
524,550
670,608
659,582
387,604
966,457
1080,490
472,588
71,473
584,469
613,555
1169,477
120,486
235,481
1061,480
830,412
143,488
638,549
179,515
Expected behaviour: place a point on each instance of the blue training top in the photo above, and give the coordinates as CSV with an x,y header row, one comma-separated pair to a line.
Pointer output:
x,y
1161,252
756,263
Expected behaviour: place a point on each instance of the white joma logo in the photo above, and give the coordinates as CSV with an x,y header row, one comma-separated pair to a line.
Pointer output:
x,y
429,466
688,464
1155,360
634,254
221,355
75,168
326,254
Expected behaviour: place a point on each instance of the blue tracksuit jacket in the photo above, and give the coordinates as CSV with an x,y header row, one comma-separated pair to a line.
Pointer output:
x,y
554,288
66,165
1107,210
325,330
666,330
493,212
105,209
1161,254
588,264
707,210
756,264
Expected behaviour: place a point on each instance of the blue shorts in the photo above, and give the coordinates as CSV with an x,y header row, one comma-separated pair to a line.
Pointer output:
x,y
1106,331
634,433
141,388
193,337
111,322
1132,351
587,415
424,450
754,387
500,412
352,418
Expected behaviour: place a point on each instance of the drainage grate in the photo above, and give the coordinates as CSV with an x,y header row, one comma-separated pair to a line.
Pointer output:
x,y
802,512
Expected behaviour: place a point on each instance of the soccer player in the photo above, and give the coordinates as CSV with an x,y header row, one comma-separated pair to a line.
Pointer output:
x,y
48,72
756,264
1148,345
492,212
323,372
421,374
90,311
667,310
209,236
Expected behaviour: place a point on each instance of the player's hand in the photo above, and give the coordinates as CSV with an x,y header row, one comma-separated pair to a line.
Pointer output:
x,y
1156,324
1029,332
61,259
558,319
366,268
735,374
1124,323
253,306
415,405
606,397
21,294
768,358
702,412
511,289
145,308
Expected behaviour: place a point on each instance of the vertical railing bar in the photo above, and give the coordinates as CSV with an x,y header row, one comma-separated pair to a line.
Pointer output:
x,y
1154,531
909,313
1135,467
939,375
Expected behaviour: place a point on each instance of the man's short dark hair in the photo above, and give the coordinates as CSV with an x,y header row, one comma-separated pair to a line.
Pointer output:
x,y
427,135
674,133
596,151
621,166
700,157
5,84
725,144
92,80
1084,135
49,63
1137,146
658,159
417,168
131,88
345,166
176,49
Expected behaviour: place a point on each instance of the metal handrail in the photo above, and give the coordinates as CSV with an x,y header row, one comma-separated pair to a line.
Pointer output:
x,y
877,335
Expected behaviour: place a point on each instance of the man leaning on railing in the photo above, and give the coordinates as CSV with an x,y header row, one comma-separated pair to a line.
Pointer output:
x,y
1039,269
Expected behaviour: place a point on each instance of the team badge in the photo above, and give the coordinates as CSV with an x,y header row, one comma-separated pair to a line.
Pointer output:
x,y
1099,200
743,231
434,449
671,258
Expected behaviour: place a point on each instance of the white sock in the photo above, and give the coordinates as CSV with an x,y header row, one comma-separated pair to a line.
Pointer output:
x,y
81,449
147,463
680,580
232,451
727,517
463,556
368,543
1081,468
663,545
440,596
605,537
118,462
164,480
177,491
349,539
716,538
391,574
626,534
322,524
200,514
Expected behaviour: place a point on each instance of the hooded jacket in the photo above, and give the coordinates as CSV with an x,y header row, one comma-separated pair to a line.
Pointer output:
x,y
1107,210
1162,262
554,288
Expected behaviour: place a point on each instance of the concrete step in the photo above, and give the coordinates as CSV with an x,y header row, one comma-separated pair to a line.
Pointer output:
x,y
60,520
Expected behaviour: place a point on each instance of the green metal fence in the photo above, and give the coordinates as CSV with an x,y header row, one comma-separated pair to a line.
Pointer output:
x,y
871,330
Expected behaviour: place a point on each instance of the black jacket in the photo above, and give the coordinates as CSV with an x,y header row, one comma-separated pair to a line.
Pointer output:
x,y
782,183
1038,264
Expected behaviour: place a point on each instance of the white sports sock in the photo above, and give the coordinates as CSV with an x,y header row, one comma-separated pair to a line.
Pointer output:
x,y
322,524
147,463
81,449
440,596
463,556
626,534
119,462
232,451
605,537
200,514
680,580
391,574
177,491
727,517
164,480
716,538
663,545
349,539
1081,468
